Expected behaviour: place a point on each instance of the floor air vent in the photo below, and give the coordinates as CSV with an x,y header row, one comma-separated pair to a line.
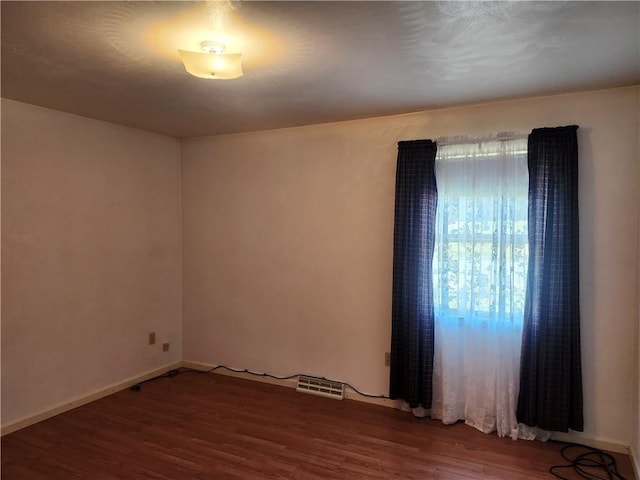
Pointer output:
x,y
319,386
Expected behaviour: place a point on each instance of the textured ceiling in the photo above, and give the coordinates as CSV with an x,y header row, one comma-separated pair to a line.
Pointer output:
x,y
307,62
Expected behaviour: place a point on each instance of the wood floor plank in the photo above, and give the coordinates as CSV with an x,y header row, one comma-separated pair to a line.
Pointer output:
x,y
207,426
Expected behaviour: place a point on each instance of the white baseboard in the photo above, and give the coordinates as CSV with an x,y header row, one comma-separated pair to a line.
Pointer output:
x,y
591,441
83,400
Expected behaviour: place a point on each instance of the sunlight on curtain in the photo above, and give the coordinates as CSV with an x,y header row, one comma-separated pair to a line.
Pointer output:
x,y
479,274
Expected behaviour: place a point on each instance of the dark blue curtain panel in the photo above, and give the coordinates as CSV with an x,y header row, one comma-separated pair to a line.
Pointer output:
x,y
412,332
550,394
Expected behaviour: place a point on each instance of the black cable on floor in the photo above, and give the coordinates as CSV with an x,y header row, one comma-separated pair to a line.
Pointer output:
x,y
176,372
284,378
235,370
170,373
590,460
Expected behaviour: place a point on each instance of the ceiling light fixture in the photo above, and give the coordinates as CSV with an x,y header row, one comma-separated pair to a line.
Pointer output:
x,y
212,63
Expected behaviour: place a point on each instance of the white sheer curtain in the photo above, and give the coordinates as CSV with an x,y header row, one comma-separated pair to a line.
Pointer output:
x,y
479,269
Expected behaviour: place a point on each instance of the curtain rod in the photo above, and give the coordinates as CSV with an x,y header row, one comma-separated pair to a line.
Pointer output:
x,y
500,137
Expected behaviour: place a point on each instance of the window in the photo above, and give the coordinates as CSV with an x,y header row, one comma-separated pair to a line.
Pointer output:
x,y
481,249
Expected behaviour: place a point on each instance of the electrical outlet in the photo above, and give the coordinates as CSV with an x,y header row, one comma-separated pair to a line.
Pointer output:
x,y
152,338
387,359
165,347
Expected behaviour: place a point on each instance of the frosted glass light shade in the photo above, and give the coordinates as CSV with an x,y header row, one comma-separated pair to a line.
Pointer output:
x,y
216,66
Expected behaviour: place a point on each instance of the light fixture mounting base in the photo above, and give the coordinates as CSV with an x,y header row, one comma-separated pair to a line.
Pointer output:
x,y
210,46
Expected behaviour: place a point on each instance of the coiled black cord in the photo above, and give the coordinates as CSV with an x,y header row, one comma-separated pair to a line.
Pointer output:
x,y
586,463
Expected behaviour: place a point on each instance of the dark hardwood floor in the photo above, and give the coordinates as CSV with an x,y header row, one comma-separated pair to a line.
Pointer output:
x,y
209,426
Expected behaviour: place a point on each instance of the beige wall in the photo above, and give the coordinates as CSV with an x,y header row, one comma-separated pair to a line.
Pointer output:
x,y
635,451
287,243
90,256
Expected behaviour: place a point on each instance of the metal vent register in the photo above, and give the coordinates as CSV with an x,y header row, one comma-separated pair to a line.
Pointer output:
x,y
320,386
